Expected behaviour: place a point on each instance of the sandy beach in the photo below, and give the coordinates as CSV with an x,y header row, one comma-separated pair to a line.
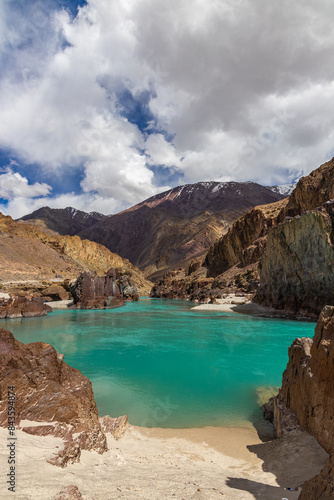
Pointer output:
x,y
151,464
243,305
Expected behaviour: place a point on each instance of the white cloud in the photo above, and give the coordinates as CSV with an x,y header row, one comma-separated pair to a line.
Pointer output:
x,y
18,206
244,88
14,185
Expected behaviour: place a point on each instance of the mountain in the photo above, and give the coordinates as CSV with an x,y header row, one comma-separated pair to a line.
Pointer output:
x,y
28,253
63,220
284,189
171,228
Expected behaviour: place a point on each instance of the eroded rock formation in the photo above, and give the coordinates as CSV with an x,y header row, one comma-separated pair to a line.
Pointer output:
x,y
49,392
23,307
297,268
306,398
96,292
245,241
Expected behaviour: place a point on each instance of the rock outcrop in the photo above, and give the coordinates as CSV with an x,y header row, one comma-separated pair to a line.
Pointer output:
x,y
297,268
245,241
54,397
23,307
307,395
311,191
96,292
320,487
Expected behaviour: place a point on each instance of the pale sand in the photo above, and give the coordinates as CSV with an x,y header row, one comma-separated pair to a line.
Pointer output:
x,y
153,464
235,304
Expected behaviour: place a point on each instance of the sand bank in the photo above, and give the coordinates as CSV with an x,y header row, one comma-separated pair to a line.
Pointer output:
x,y
151,464
235,304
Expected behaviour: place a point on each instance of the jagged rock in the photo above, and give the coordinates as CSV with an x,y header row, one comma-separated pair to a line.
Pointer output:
x,y
311,191
96,292
50,392
306,398
26,307
127,288
69,455
70,492
244,242
320,487
116,426
297,268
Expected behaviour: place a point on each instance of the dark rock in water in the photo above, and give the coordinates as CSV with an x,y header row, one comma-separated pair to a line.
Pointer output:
x,y
26,307
49,391
96,292
306,398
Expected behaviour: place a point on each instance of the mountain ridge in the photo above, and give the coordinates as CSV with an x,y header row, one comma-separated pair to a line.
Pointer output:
x,y
170,228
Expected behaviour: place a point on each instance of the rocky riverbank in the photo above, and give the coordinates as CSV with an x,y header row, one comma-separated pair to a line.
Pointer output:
x,y
306,399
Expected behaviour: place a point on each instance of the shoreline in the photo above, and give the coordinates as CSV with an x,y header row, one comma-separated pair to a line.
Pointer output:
x,y
147,464
235,304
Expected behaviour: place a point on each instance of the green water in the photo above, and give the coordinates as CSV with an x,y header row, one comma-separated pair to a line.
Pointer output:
x,y
165,365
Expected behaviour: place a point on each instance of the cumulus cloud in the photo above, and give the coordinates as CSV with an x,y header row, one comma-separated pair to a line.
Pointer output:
x,y
234,90
13,185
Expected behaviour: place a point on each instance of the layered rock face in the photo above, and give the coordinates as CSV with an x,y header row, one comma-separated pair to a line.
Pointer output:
x,y
297,268
23,307
312,191
96,292
307,394
49,391
245,241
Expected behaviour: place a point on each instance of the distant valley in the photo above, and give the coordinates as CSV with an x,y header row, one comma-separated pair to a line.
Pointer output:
x,y
168,230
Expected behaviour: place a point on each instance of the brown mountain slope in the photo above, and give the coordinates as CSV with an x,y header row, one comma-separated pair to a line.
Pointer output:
x,y
170,228
27,253
63,220
296,273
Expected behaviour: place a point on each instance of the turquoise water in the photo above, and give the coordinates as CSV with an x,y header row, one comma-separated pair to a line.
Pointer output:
x,y
165,365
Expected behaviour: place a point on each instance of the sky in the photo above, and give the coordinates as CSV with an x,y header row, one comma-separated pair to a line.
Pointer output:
x,y
105,103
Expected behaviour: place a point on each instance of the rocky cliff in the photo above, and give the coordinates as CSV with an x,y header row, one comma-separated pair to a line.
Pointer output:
x,y
297,268
50,397
306,398
245,241
312,191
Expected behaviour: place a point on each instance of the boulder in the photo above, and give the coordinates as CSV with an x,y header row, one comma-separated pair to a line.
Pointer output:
x,y
96,292
50,393
26,307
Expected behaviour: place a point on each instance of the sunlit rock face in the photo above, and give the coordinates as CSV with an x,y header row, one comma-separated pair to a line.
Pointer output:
x,y
55,398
